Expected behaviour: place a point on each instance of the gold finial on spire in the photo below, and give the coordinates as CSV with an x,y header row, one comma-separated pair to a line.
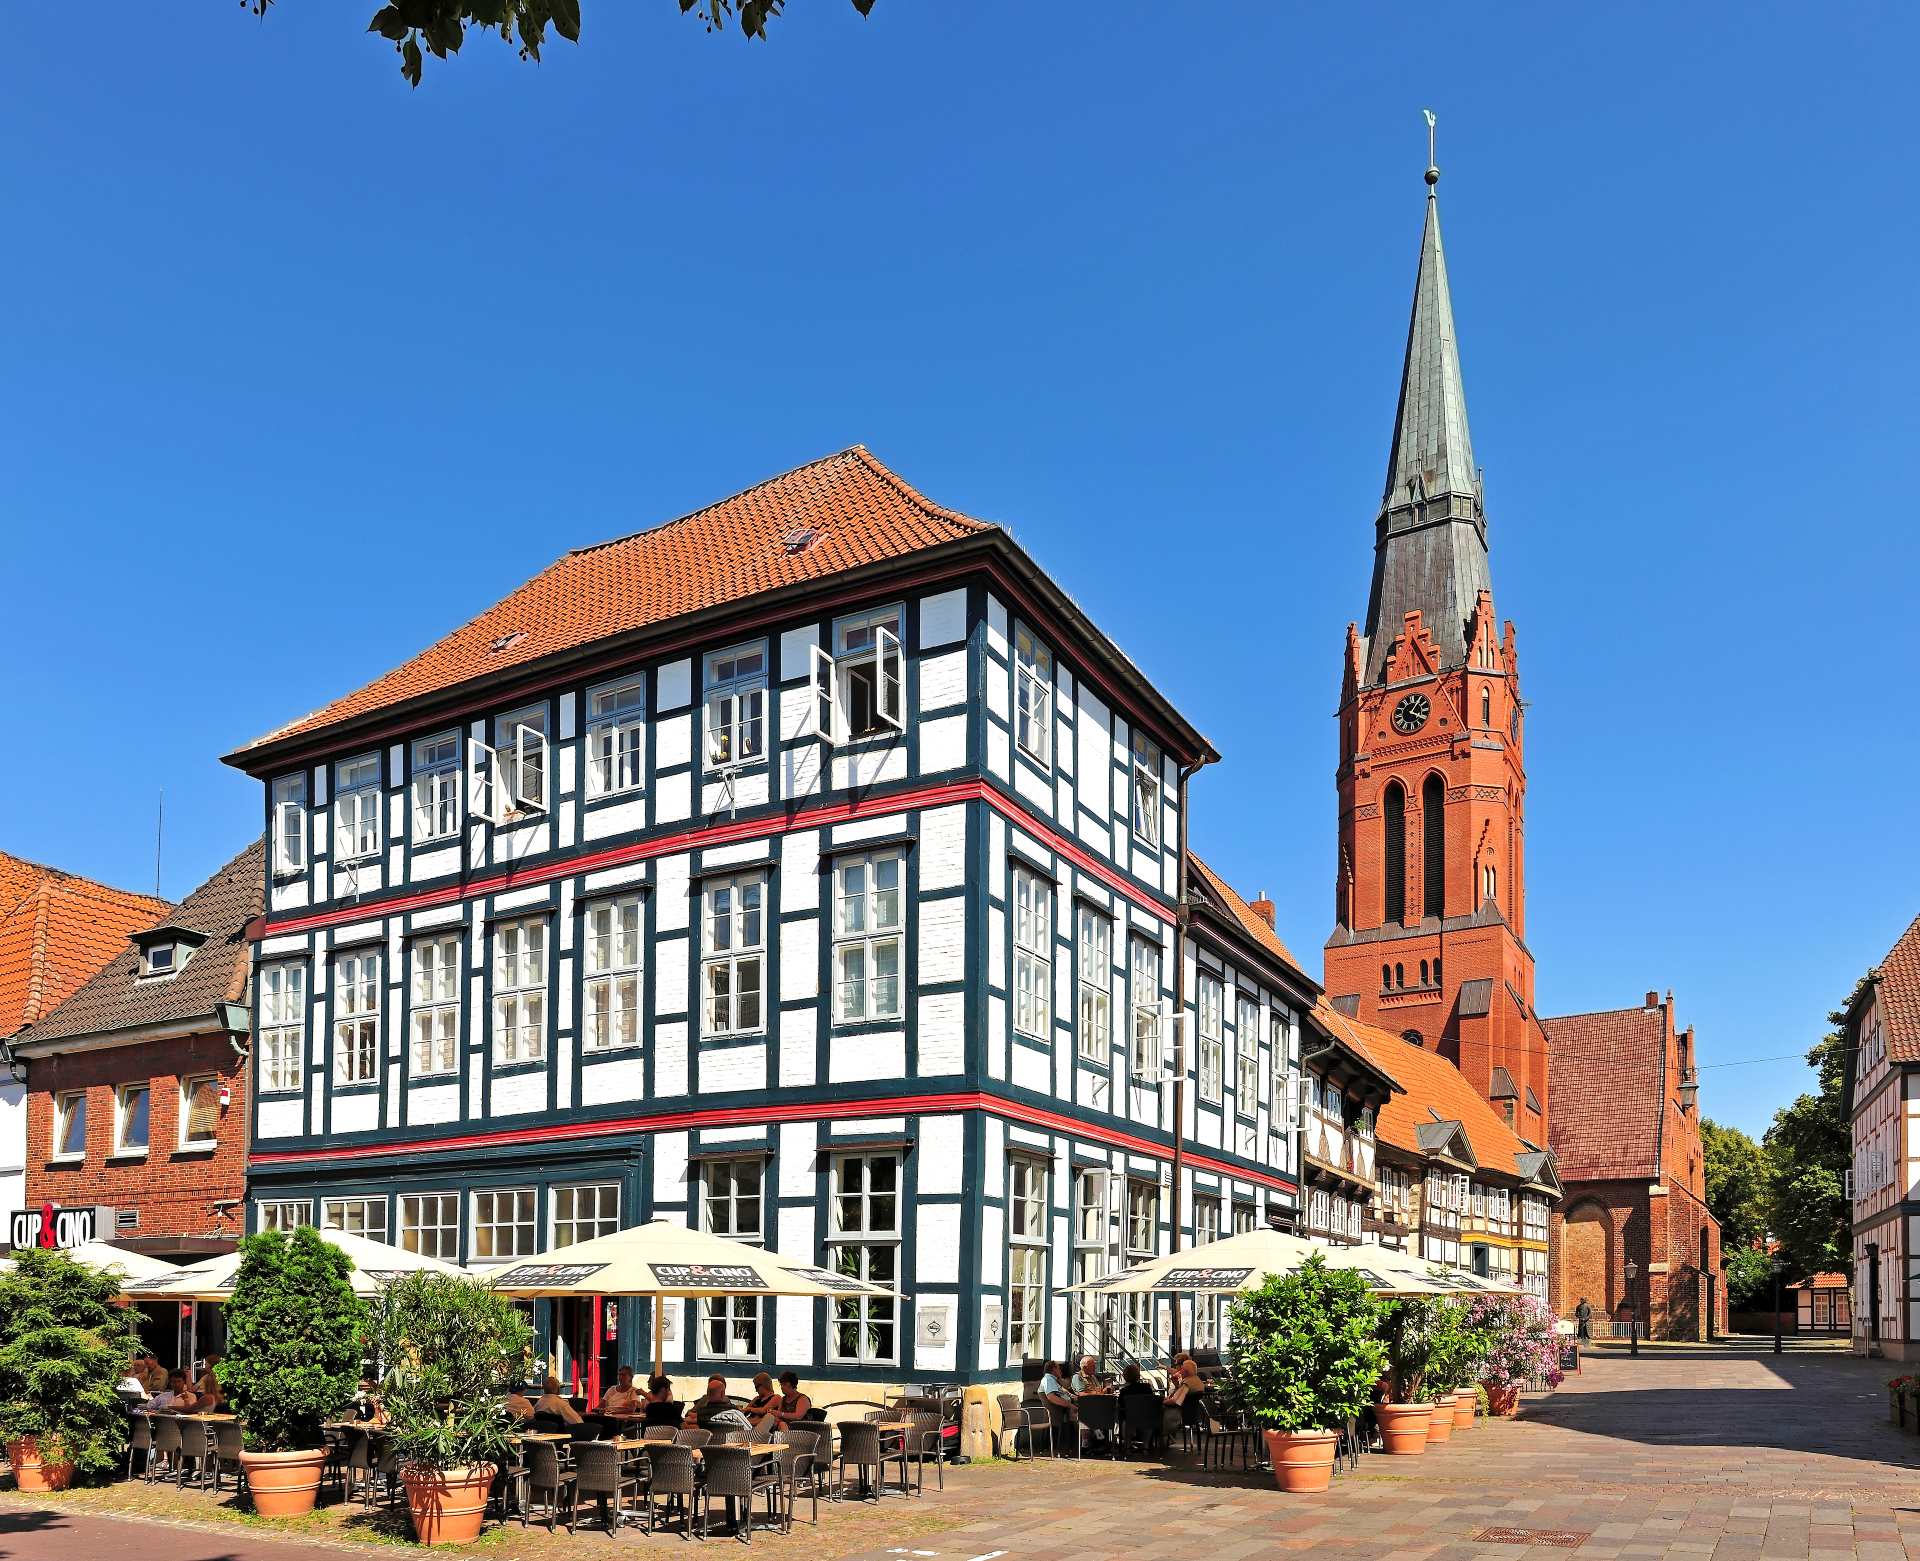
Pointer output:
x,y
1433,168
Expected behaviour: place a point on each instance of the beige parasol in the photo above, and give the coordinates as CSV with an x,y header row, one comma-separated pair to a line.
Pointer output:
x,y
1241,1262
109,1259
375,1264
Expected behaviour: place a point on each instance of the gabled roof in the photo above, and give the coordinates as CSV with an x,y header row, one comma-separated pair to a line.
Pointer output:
x,y
57,929
1246,919
1897,980
119,999
1609,1077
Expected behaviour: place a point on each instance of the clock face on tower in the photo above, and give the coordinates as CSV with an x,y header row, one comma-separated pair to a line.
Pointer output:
x,y
1411,713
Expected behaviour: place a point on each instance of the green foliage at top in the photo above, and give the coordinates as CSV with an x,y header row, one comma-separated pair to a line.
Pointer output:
x,y
417,28
1749,1280
1736,1172
1414,1331
295,1337
1306,1351
64,1344
448,1345
1454,1349
1808,1150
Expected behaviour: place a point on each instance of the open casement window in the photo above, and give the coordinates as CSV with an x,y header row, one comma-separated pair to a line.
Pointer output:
x,y
522,746
1146,790
290,824
486,783
859,690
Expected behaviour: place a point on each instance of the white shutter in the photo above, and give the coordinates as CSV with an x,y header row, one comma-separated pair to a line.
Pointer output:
x,y
1849,1184
290,835
823,704
529,767
889,679
486,785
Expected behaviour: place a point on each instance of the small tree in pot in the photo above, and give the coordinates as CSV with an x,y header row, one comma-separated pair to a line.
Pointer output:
x,y
295,1333
1409,1332
64,1343
1521,1345
1453,1354
447,1345
1306,1355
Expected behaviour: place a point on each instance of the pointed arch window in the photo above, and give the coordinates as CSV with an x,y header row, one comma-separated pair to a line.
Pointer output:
x,y
1433,842
1486,707
1394,810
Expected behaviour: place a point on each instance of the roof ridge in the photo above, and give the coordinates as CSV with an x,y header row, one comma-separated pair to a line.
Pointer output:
x,y
1595,1013
64,876
37,957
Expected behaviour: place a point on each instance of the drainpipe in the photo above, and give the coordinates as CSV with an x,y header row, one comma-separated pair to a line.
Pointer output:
x,y
1182,918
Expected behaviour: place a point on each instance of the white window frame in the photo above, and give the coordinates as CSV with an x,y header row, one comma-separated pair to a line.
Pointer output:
x,y
1142,1227
734,943
434,787
283,1026
1032,953
1093,969
1032,696
286,1214
736,705
730,1324
1210,1059
518,1031
1245,1217
64,1117
614,937
578,1211
356,1017
290,847
866,646
443,1231
869,930
358,798
433,1008
341,1214
512,1212
187,1083
1146,1059
1147,790
616,750
1246,1056
1028,1220
855,1246
520,746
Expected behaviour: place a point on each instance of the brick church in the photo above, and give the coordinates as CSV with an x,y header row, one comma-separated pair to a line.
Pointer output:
x,y
1430,912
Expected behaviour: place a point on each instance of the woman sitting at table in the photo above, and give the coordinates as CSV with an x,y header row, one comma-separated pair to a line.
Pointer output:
x,y
367,1408
763,1400
518,1406
176,1398
658,1406
790,1406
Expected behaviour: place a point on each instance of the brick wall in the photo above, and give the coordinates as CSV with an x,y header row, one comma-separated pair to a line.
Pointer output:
x,y
175,1190
1601,1225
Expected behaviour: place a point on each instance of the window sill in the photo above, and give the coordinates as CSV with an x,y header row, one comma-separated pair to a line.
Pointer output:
x,y
438,1076
356,861
196,1151
630,794
281,1092
624,1049
66,1159
126,1157
288,874
867,1026
428,842
358,1087
734,1038
516,1069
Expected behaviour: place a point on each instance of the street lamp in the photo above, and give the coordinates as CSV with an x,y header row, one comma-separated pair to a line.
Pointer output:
x,y
1779,1268
1633,1309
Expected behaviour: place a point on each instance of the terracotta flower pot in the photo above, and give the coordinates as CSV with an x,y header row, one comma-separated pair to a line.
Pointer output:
x,y
1502,1401
1403,1427
448,1505
1440,1425
284,1485
1302,1460
39,1468
1465,1404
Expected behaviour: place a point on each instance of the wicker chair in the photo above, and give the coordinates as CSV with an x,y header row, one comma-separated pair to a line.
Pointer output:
x,y
597,1471
659,1433
545,1473
1099,1418
671,1476
692,1436
924,1441
229,1436
861,1446
140,1440
164,1456
1017,1416
801,1464
746,1436
731,1476
196,1448
1142,1422
386,1464
359,1465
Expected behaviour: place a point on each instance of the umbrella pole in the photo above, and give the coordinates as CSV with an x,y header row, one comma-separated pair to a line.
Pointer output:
x,y
659,1335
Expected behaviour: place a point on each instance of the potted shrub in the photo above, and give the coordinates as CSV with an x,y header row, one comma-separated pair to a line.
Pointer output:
x,y
294,1339
1306,1355
447,1345
64,1342
1900,1392
1520,1345
1449,1363
1407,1330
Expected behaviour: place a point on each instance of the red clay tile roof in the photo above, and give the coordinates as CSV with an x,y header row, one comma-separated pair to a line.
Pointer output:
x,y
1899,992
1609,1092
857,511
56,930
215,972
1250,921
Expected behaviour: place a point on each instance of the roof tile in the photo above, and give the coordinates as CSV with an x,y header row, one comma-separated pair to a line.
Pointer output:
x,y
1608,1071
1899,983
56,930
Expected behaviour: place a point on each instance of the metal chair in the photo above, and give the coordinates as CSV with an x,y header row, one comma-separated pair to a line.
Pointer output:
x,y
925,1439
731,1476
196,1448
861,1446
164,1456
139,1440
671,1476
545,1473
386,1464
1016,1417
597,1471
229,1436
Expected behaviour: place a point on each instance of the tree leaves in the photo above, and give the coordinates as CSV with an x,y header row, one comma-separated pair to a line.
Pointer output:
x,y
1808,1149
64,1344
294,1338
1306,1354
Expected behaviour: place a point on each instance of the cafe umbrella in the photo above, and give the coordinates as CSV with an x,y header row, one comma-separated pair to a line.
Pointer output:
x,y
118,1261
666,1261
1242,1262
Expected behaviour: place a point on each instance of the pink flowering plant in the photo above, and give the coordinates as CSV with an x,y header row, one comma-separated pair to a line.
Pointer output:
x,y
1517,1342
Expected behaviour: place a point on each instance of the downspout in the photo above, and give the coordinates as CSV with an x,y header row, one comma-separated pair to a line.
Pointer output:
x,y
1182,915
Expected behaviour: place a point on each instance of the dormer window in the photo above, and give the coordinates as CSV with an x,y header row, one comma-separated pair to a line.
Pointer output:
x,y
161,959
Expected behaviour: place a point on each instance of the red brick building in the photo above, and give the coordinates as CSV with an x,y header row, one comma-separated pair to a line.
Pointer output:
x,y
1430,888
136,1083
1628,1142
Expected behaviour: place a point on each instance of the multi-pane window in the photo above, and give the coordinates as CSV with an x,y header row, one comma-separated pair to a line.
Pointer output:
x,y
1089,1253
1032,953
730,1198
285,1214
132,1104
70,1125
503,1224
434,1019
520,991
1246,1057
356,807
733,968
283,1025
356,1216
290,823
1032,696
356,1017
199,1111
1143,1218
581,1213
613,929
1210,1063
865,1236
520,739
730,1327
1146,790
861,688
1093,962
616,738
436,787
1533,1217
1206,1221
430,1224
736,706
1206,1308
1026,1256
1243,1218
868,919
1146,1008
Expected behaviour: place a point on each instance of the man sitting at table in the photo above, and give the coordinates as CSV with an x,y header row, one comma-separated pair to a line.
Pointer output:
x,y
553,1402
1059,1398
790,1406
518,1405
176,1398
1088,1379
716,1412
623,1398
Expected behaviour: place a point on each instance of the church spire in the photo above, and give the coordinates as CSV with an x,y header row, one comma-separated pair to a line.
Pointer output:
x,y
1431,547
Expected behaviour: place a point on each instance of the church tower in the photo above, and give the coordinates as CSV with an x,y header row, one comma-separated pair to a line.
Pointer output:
x,y
1430,891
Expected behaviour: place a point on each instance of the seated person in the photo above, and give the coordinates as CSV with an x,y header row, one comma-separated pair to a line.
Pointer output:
x,y
367,1407
206,1386
176,1398
1088,1379
132,1385
553,1402
1054,1391
151,1372
658,1406
716,1412
1185,1382
1133,1386
763,1398
518,1406
623,1398
790,1406
659,1391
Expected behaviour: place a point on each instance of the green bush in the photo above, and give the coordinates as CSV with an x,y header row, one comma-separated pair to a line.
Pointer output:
x,y
1414,1330
295,1336
1306,1352
1454,1350
64,1344
447,1346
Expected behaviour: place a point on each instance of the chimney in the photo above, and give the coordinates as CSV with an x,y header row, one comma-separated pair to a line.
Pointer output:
x,y
1653,1000
1263,907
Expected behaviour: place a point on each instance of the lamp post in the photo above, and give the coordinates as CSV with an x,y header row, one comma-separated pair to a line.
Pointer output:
x,y
1778,1269
1633,1309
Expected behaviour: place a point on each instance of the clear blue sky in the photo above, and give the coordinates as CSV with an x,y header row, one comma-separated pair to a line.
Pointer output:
x,y
301,368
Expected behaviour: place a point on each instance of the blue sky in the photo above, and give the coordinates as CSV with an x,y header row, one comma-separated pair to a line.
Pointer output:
x,y
302,368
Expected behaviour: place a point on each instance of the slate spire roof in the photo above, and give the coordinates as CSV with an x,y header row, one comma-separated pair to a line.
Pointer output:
x,y
1430,552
